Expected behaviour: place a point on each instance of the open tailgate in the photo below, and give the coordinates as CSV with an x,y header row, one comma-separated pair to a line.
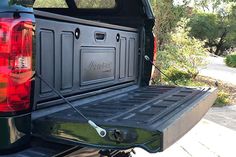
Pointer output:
x,y
151,117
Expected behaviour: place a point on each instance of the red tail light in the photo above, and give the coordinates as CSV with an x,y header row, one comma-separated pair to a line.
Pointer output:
x,y
15,64
154,74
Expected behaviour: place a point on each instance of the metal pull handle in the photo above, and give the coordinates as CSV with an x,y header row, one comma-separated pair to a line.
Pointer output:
x,y
100,36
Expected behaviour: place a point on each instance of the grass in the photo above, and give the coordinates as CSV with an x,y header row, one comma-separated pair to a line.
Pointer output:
x,y
230,60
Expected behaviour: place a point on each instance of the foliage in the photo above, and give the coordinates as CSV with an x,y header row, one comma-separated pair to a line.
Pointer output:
x,y
230,60
95,3
204,26
231,37
167,17
50,4
176,74
79,3
181,78
223,98
28,3
183,52
211,6
217,28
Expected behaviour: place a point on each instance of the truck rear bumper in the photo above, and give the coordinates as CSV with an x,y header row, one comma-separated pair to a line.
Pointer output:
x,y
15,132
152,118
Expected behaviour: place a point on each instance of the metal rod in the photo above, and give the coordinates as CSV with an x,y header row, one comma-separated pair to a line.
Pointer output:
x,y
149,60
101,132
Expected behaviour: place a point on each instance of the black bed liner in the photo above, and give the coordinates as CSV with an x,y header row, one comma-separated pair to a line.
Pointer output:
x,y
150,117
100,56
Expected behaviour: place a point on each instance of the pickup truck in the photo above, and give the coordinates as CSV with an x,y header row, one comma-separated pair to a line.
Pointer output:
x,y
74,81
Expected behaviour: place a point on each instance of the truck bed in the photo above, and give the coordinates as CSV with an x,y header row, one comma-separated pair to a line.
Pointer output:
x,y
150,117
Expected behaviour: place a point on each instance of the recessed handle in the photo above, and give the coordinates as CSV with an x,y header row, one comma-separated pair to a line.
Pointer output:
x,y
100,36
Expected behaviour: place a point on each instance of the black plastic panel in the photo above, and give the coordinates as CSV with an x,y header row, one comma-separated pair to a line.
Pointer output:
x,y
67,60
150,117
140,108
97,65
131,57
76,58
123,50
47,56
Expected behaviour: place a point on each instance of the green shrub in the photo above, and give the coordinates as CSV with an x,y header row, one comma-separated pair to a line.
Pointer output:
x,y
231,60
176,75
183,52
223,99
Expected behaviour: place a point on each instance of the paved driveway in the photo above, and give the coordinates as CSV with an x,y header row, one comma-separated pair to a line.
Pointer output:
x,y
217,69
225,116
206,139
214,136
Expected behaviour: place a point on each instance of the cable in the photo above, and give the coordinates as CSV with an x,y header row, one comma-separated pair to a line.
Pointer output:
x,y
149,60
101,132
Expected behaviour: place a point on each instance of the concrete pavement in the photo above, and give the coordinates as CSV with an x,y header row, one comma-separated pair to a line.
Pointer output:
x,y
217,69
206,139
225,116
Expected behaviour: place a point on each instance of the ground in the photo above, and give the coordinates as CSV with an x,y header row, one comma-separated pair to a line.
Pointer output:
x,y
217,69
207,139
225,116
215,135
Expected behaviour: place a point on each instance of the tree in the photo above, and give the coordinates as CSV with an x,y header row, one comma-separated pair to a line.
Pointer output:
x,y
217,29
183,52
167,17
211,6
231,37
205,26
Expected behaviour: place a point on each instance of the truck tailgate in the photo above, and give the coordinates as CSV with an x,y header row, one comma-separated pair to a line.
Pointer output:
x,y
151,117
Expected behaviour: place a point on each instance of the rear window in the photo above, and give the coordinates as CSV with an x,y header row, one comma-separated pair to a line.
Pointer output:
x,y
81,4
50,4
95,4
